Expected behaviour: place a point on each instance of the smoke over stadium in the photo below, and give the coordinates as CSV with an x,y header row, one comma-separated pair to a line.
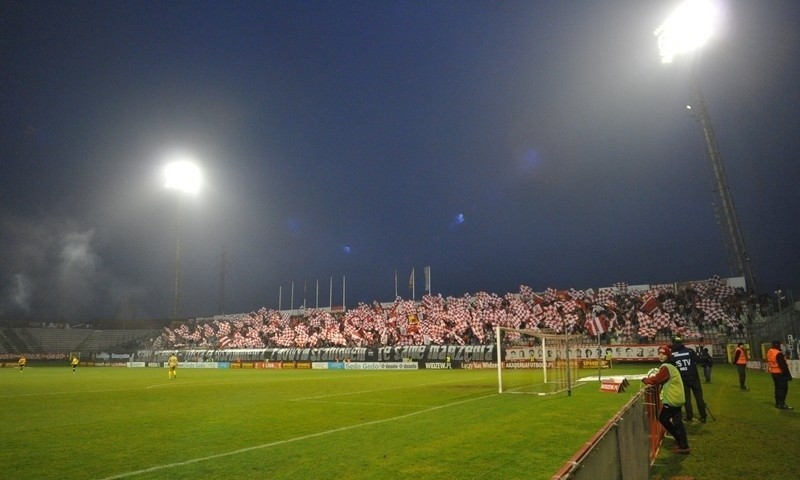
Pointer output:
x,y
52,271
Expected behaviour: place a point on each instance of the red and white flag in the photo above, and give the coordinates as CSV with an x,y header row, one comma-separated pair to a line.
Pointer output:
x,y
596,325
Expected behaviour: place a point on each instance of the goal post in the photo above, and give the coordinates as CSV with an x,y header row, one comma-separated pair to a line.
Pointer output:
x,y
536,362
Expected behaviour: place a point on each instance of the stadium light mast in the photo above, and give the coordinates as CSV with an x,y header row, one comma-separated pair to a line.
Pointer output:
x,y
184,176
689,28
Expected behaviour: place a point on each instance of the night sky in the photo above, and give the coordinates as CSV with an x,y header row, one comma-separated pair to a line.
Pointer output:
x,y
501,143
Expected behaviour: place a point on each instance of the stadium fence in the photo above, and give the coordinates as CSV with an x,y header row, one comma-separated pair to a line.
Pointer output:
x,y
625,448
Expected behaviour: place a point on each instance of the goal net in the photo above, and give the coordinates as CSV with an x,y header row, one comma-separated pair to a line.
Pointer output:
x,y
535,362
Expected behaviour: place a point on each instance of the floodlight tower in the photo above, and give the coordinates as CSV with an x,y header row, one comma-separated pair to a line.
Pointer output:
x,y
686,30
184,176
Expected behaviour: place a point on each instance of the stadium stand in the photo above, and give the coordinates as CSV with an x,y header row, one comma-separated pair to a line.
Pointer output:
x,y
712,309
65,340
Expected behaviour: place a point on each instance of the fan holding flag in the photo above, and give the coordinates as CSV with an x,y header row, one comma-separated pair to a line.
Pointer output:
x,y
597,324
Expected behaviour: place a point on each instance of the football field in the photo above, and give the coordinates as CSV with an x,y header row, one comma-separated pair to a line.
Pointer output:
x,y
121,423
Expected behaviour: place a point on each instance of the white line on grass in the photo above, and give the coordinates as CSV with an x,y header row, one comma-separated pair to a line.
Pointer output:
x,y
289,440
398,387
170,384
106,390
175,384
330,402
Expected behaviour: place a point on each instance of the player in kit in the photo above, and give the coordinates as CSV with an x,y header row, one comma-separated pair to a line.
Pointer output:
x,y
172,365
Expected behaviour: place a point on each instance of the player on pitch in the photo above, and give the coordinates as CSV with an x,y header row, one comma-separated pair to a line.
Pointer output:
x,y
172,363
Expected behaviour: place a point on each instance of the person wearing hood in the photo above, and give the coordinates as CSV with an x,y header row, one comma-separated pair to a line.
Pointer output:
x,y
672,398
686,360
779,369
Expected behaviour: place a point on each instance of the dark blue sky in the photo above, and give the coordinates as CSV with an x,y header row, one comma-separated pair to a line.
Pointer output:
x,y
500,143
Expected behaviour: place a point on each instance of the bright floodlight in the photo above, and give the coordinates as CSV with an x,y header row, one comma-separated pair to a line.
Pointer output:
x,y
183,175
687,29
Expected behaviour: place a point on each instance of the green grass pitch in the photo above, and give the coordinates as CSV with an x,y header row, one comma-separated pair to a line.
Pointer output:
x,y
115,423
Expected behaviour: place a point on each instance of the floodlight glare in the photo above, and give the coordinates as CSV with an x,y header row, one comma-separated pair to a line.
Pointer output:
x,y
687,29
183,175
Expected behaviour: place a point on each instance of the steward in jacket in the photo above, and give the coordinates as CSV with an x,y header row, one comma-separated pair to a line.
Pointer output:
x,y
779,369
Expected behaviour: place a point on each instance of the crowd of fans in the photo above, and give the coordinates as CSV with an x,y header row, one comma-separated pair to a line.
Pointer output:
x,y
14,356
617,312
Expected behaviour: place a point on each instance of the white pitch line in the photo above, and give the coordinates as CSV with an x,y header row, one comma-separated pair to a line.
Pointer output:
x,y
331,402
175,384
289,440
398,387
107,390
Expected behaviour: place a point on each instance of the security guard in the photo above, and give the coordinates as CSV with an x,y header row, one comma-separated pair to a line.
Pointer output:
x,y
740,360
779,369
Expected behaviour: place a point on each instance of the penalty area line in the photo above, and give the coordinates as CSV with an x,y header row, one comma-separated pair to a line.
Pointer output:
x,y
289,440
